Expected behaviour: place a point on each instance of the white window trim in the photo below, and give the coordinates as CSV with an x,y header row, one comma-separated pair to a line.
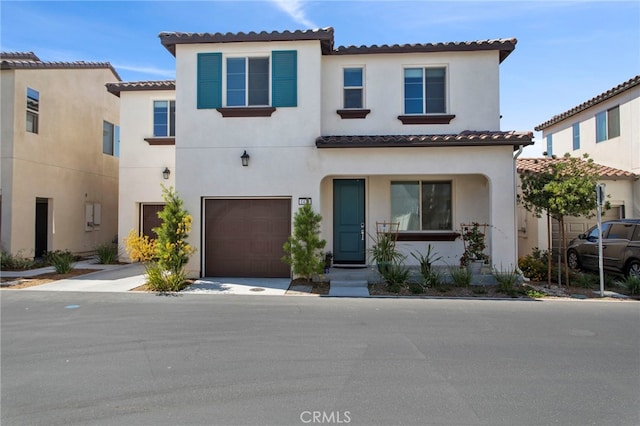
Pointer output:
x,y
447,93
430,179
363,87
151,117
246,57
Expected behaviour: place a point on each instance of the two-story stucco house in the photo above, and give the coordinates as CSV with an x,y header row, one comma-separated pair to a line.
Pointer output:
x,y
607,127
59,148
266,122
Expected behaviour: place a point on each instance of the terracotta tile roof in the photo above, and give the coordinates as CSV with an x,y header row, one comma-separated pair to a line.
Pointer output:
x,y
324,35
505,46
537,165
591,102
466,138
137,86
13,64
23,56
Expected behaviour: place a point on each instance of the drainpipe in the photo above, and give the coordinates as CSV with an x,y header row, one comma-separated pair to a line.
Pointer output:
x,y
515,210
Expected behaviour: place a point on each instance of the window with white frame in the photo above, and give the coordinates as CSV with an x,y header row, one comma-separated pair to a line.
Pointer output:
x,y
110,139
608,124
353,88
247,82
576,135
422,205
549,145
424,90
33,110
164,118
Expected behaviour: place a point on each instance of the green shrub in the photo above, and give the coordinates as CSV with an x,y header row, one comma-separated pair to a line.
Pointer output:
x,y
17,262
506,280
396,276
585,280
461,276
631,284
534,294
61,260
416,288
304,248
159,279
107,253
534,265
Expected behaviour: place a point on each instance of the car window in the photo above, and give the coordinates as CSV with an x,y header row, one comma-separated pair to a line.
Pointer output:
x,y
593,233
636,234
621,231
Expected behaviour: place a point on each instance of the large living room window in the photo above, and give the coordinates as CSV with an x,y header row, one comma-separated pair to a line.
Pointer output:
x,y
33,110
164,118
421,205
424,90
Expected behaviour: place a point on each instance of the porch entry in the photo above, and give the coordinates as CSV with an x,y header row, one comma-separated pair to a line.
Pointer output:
x,y
349,230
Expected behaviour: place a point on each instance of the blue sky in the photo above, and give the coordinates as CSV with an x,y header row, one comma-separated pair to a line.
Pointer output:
x,y
567,51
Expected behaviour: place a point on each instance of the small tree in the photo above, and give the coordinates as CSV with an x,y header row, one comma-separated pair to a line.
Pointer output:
x,y
171,248
566,187
304,248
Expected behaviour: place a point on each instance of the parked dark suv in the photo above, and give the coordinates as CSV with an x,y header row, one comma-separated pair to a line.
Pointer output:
x,y
620,248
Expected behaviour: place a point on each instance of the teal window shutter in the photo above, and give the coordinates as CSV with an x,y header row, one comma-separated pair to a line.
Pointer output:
x,y
284,75
209,80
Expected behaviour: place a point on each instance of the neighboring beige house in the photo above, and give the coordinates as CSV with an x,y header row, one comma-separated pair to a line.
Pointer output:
x,y
59,155
533,231
267,122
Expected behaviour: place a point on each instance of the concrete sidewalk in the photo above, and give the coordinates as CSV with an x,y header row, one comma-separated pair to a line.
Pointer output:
x,y
123,278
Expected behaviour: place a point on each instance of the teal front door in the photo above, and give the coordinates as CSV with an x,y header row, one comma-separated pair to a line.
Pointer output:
x,y
348,222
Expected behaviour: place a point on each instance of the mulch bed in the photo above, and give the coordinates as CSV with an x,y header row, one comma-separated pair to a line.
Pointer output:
x,y
24,282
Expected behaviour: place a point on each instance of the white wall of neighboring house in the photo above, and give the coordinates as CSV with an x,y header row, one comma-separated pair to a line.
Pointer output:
x,y
622,152
141,164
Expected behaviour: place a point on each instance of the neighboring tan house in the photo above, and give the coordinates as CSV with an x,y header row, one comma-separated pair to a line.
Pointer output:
x,y
533,231
267,122
59,148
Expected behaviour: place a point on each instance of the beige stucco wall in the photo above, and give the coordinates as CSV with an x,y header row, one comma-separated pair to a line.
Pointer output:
x,y
63,162
141,164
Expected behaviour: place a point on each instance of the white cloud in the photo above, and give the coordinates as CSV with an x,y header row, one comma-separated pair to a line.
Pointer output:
x,y
295,9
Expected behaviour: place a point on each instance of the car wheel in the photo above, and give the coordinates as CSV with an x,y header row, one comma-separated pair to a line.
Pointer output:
x,y
573,260
633,269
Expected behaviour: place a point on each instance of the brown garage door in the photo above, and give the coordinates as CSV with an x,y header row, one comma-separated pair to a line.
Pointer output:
x,y
244,238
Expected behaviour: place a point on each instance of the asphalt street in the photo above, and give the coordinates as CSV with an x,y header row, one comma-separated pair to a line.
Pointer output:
x,y
144,359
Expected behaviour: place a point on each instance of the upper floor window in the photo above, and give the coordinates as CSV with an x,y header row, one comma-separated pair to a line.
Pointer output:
x,y
549,145
608,124
353,88
421,205
33,110
164,118
110,139
248,81
424,90
576,136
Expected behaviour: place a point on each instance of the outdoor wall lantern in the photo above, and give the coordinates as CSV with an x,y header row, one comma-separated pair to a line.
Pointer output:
x,y
245,158
166,172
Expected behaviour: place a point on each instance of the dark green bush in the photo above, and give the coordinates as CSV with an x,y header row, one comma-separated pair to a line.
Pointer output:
x,y
61,260
107,253
17,262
